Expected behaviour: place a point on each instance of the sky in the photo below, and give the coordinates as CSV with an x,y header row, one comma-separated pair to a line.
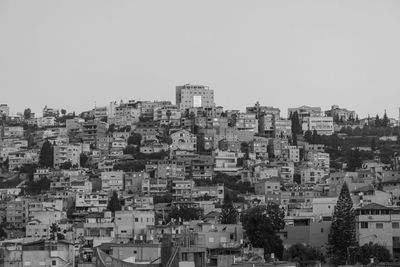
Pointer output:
x,y
286,53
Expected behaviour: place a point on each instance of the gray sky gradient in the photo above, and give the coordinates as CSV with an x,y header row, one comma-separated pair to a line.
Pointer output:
x,y
71,54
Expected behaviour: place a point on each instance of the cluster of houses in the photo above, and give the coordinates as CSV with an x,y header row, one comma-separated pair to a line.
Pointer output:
x,y
176,147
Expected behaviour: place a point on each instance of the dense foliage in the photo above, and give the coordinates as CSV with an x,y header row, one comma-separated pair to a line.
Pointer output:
x,y
185,214
369,251
261,229
303,254
229,215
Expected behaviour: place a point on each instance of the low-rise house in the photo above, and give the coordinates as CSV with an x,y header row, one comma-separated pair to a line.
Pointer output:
x,y
112,181
17,212
94,202
133,181
183,140
22,157
48,253
226,161
182,188
153,147
154,186
208,192
99,228
311,175
259,146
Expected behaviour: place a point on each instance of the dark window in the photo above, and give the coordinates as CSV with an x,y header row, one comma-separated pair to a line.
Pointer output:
x,y
364,225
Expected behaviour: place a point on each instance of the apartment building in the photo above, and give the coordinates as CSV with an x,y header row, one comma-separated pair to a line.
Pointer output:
x,y
17,212
67,153
247,122
168,115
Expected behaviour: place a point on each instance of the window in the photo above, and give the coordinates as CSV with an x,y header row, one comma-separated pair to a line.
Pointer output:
x,y
364,225
53,262
211,239
395,225
136,219
379,226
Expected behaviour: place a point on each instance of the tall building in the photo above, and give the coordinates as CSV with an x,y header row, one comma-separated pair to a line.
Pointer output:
x,y
194,96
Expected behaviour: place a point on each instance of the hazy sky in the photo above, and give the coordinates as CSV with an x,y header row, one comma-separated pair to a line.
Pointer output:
x,y
71,54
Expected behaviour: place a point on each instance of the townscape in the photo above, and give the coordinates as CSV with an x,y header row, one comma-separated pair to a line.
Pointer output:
x,y
156,183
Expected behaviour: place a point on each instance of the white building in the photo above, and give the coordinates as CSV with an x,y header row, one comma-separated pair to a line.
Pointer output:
x,y
323,125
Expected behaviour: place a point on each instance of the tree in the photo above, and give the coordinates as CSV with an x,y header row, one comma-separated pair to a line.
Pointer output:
x,y
373,144
46,157
303,254
184,214
367,252
229,214
63,112
70,208
114,204
261,231
55,231
354,160
83,159
27,113
308,136
130,166
130,149
3,233
37,187
277,215
6,164
294,139
166,198
134,139
377,121
385,121
66,165
296,129
111,128
342,234
316,138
